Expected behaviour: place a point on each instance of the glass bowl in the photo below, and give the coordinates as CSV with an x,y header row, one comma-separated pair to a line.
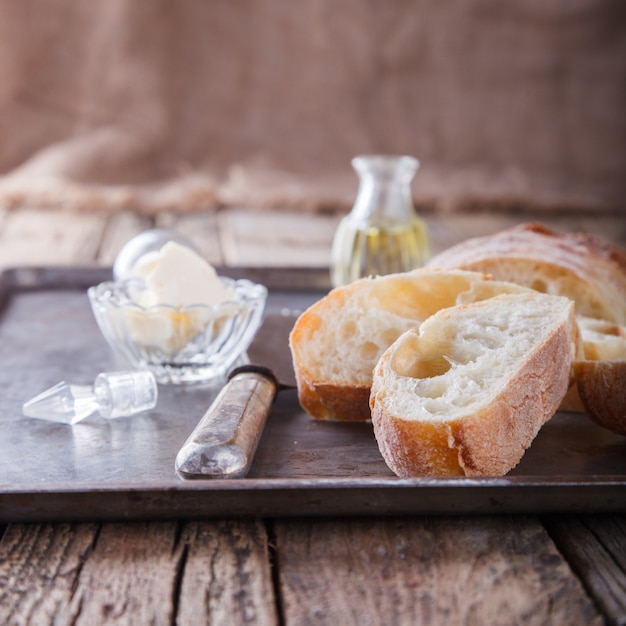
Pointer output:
x,y
179,345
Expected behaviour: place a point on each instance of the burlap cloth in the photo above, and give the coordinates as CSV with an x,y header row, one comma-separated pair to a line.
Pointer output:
x,y
197,104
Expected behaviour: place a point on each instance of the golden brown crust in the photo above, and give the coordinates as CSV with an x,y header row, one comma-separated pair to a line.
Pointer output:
x,y
595,267
602,390
327,401
489,442
433,456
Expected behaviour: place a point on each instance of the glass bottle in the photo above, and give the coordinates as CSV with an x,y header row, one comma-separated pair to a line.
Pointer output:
x,y
382,234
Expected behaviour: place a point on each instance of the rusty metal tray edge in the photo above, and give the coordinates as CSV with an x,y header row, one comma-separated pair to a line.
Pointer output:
x,y
313,497
281,496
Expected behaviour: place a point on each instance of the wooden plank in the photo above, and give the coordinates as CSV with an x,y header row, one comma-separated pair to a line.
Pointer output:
x,y
281,238
36,237
595,545
139,573
120,228
130,577
39,566
482,570
201,228
227,577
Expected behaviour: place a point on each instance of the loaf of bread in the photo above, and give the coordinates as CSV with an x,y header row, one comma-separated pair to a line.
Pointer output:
x,y
336,343
467,392
583,267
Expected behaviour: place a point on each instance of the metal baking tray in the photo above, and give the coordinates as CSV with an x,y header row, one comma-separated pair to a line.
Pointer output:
x,y
124,469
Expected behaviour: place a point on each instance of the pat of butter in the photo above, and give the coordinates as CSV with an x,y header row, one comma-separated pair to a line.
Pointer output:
x,y
178,277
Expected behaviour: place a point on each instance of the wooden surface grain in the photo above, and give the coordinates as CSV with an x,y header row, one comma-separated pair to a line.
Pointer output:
x,y
416,570
494,570
136,573
595,546
226,576
39,569
129,576
241,237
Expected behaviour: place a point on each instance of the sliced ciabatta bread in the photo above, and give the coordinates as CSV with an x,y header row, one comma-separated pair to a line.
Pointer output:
x,y
583,267
602,389
600,375
467,392
337,341
603,344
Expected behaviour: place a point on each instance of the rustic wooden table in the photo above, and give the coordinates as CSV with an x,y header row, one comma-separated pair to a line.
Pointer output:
x,y
506,569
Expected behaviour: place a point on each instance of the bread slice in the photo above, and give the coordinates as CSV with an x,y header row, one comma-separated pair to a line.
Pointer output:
x,y
336,343
602,389
600,375
583,267
467,393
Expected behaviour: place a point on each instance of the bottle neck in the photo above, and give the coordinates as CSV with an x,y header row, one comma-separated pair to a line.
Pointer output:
x,y
384,187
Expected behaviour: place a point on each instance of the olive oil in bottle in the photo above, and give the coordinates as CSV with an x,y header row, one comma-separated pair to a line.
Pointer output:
x,y
382,234
377,250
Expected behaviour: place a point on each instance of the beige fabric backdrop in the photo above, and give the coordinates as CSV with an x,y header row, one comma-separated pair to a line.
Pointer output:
x,y
192,104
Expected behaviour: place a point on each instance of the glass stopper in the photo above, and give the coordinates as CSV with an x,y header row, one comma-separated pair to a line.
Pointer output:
x,y
113,394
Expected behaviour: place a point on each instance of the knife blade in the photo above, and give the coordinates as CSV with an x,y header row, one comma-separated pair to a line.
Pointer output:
x,y
225,440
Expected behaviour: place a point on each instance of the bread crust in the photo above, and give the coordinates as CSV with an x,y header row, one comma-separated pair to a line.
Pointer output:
x,y
602,391
490,441
594,270
327,401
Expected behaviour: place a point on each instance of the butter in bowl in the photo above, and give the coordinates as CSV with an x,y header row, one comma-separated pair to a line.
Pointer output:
x,y
173,315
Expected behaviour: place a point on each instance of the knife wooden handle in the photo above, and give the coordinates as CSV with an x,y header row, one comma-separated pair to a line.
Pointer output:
x,y
225,440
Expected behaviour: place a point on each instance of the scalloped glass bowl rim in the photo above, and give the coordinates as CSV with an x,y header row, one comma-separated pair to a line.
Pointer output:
x,y
110,292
